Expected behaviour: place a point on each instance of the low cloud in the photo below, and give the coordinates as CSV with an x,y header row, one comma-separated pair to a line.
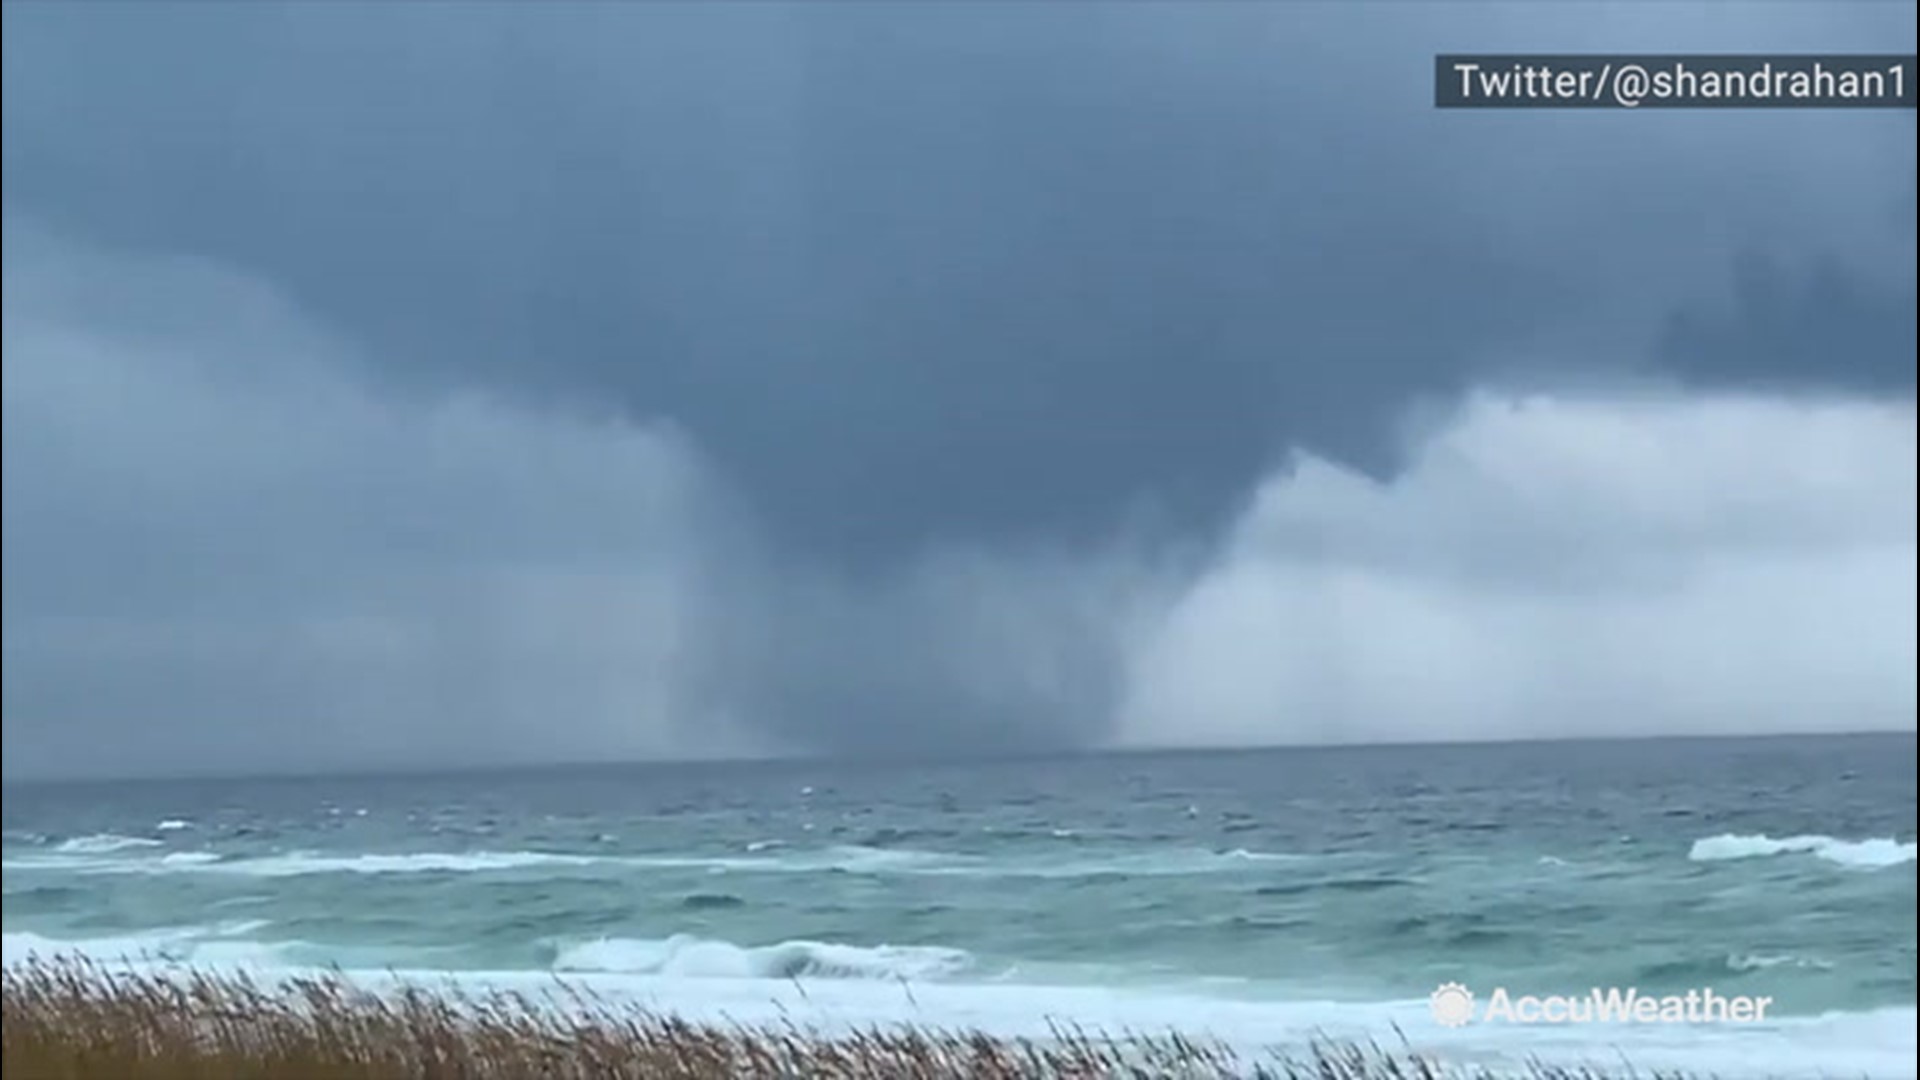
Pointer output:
x,y
1628,565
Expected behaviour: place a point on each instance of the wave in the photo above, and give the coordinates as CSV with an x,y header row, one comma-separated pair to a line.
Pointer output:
x,y
691,957
1858,854
1702,969
103,844
682,956
224,944
1746,962
303,863
229,946
173,825
884,861
1348,885
846,859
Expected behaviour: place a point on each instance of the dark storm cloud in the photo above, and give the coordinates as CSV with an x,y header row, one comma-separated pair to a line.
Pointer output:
x,y
1784,328
445,382
879,258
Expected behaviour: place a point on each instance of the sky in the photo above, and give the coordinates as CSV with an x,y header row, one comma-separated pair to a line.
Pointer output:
x,y
452,384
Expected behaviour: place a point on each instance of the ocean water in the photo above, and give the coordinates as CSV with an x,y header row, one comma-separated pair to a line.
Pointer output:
x,y
1266,898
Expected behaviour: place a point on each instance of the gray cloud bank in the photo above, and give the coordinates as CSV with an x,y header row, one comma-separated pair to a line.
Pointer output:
x,y
453,385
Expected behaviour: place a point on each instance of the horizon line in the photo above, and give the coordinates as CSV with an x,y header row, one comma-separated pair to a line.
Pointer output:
x,y
910,760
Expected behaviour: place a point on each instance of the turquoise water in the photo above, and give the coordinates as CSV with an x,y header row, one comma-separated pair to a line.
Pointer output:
x,y
1272,893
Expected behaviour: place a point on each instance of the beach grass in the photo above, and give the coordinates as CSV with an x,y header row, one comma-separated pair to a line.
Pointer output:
x,y
69,1019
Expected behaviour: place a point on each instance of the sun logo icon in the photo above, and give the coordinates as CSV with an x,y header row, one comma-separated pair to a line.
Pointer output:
x,y
1452,1005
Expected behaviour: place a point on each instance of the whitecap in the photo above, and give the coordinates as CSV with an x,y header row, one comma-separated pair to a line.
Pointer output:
x,y
303,863
1746,962
103,843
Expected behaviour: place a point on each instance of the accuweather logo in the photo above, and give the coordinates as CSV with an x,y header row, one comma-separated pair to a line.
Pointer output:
x,y
1454,1005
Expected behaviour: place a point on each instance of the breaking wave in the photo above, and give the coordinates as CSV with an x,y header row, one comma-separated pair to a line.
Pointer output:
x,y
691,957
1858,854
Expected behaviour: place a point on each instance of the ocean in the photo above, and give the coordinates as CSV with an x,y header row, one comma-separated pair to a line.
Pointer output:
x,y
1266,898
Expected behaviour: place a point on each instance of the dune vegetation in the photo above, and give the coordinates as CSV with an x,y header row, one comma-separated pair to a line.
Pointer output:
x,y
77,1020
